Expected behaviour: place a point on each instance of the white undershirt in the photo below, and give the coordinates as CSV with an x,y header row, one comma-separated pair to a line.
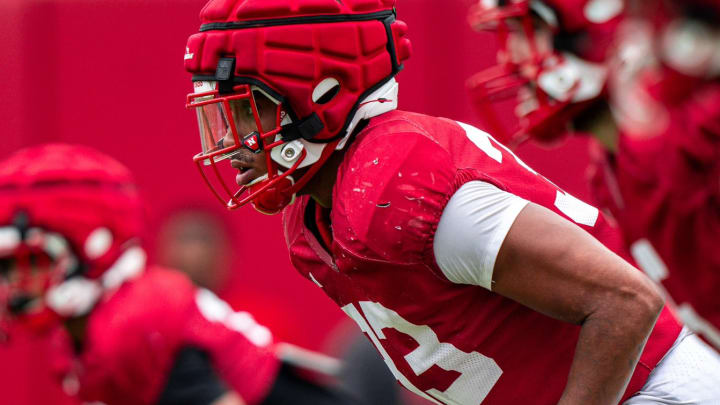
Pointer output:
x,y
472,228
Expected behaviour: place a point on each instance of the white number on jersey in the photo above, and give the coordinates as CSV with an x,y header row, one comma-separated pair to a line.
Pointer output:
x,y
575,209
478,373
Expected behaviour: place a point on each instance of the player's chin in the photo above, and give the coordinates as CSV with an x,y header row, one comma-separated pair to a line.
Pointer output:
x,y
247,176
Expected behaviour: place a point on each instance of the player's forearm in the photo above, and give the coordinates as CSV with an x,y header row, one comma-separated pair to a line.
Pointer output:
x,y
609,346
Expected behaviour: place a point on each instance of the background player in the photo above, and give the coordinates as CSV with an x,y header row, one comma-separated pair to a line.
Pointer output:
x,y
70,250
443,246
641,78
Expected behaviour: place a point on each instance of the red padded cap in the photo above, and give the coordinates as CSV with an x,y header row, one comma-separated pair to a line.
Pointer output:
x,y
345,40
247,10
74,191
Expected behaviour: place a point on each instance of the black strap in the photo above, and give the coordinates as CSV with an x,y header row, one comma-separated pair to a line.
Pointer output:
x,y
192,380
224,74
306,128
315,19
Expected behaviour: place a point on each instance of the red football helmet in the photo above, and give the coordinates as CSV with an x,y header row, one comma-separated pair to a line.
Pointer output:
x,y
548,85
318,66
687,34
70,223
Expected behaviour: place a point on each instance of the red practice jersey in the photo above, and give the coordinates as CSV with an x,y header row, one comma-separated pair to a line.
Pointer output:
x,y
133,338
34,367
664,190
450,343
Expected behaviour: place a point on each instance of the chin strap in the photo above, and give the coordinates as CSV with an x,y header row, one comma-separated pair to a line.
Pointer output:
x,y
306,128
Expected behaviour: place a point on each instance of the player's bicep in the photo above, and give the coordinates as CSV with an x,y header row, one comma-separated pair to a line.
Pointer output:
x,y
553,266
471,230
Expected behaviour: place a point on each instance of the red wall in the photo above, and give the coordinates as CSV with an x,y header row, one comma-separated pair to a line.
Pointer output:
x,y
109,73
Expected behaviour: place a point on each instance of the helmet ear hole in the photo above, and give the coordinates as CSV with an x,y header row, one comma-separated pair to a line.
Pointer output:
x,y
325,91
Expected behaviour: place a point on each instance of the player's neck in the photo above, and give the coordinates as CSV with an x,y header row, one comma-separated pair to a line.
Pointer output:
x,y
320,187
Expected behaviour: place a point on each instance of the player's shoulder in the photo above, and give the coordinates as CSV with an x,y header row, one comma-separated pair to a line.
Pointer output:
x,y
150,306
393,183
156,292
135,334
402,127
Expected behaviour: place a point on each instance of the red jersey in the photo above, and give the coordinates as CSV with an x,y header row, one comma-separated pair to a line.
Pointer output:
x,y
664,191
133,337
34,367
450,343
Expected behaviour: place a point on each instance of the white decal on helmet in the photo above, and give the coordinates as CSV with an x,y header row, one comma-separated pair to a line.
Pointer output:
x,y
188,55
9,238
204,86
128,266
323,88
691,47
74,297
98,243
602,11
573,77
56,246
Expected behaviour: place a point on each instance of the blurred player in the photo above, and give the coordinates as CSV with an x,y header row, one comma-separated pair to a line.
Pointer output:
x,y
476,278
70,252
643,81
551,64
662,181
195,242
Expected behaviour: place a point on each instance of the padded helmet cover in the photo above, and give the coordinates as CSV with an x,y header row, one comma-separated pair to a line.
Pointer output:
x,y
290,46
74,191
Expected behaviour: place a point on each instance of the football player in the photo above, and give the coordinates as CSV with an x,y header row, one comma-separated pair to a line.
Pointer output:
x,y
70,252
654,109
477,279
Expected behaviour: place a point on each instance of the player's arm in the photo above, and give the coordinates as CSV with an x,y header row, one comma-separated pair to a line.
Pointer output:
x,y
290,387
193,381
551,265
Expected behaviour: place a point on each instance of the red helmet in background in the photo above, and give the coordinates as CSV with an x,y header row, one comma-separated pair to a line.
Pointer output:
x,y
324,64
550,63
666,51
687,34
70,224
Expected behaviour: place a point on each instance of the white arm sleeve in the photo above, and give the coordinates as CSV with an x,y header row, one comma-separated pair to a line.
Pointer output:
x,y
472,228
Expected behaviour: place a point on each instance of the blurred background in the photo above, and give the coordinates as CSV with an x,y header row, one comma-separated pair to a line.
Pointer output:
x,y
109,74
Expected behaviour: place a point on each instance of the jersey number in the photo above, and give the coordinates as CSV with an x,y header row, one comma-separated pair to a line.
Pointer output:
x,y
478,373
216,310
577,210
